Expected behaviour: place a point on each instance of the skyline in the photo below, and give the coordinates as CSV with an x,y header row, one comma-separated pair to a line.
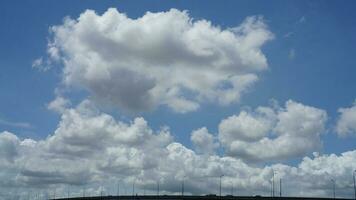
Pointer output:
x,y
95,94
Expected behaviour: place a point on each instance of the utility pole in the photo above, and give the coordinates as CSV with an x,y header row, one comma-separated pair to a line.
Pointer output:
x,y
68,191
133,188
232,188
158,187
83,191
118,189
183,185
220,185
280,187
333,182
273,173
353,173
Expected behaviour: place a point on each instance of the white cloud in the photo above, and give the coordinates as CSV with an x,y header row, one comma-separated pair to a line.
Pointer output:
x,y
163,58
289,34
246,126
59,104
291,54
16,124
302,19
203,141
8,146
41,65
88,145
346,124
273,133
90,149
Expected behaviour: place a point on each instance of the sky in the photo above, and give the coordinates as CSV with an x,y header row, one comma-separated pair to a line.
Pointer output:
x,y
100,94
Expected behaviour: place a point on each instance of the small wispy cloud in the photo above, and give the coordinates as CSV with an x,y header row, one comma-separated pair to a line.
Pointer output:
x,y
291,54
41,65
289,34
16,124
302,19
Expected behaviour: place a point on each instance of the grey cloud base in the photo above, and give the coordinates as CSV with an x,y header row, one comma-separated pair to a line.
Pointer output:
x,y
92,150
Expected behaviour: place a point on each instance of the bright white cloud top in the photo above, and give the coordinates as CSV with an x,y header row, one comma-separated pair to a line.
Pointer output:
x,y
164,58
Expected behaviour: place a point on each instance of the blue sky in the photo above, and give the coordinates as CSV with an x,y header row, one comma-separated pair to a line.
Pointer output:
x,y
321,73
310,61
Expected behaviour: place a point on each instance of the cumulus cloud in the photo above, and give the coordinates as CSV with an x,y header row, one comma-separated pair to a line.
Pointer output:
x,y
86,147
203,141
346,124
8,144
164,58
91,150
59,104
273,133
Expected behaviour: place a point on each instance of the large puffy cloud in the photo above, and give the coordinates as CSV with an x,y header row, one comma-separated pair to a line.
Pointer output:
x,y
273,133
163,58
91,150
346,124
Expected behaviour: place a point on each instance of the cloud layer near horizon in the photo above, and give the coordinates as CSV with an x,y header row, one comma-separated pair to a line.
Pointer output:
x,y
92,149
163,58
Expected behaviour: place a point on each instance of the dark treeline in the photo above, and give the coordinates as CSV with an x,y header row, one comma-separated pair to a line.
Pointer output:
x,y
206,197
